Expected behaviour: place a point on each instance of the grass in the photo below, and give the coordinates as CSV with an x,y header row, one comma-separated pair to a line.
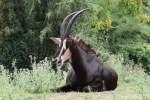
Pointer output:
x,y
133,83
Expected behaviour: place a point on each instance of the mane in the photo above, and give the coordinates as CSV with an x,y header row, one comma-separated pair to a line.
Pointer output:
x,y
86,47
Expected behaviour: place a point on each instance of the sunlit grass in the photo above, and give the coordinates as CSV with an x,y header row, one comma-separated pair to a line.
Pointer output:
x,y
131,76
35,84
39,80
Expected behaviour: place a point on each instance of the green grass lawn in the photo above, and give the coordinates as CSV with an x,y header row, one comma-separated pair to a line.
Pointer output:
x,y
133,84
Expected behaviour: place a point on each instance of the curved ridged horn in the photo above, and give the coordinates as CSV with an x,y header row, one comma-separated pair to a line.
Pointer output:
x,y
63,25
73,19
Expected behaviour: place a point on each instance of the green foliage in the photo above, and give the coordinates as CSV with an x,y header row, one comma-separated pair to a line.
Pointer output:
x,y
33,84
131,7
21,83
129,35
6,88
131,76
116,26
40,79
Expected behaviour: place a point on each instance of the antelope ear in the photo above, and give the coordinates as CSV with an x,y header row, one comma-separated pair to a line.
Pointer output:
x,y
77,38
56,40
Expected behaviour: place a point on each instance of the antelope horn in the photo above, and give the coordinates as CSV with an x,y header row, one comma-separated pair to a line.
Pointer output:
x,y
73,19
63,25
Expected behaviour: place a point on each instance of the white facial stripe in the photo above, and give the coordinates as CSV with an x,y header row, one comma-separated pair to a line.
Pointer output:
x,y
66,55
61,51
64,44
63,48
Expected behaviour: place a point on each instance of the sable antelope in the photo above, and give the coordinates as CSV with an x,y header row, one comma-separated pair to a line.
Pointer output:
x,y
88,72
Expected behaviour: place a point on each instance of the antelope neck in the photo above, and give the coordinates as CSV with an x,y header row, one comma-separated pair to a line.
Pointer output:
x,y
79,63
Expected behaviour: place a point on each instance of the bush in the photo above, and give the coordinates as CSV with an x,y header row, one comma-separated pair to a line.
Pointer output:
x,y
27,84
26,26
23,82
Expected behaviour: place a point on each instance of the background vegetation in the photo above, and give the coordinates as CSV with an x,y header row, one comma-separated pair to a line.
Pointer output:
x,y
116,26
119,30
133,83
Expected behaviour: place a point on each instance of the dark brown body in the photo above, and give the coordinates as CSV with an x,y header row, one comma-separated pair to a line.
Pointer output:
x,y
87,73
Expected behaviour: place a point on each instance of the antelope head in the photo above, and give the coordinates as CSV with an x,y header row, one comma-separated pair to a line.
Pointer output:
x,y
63,52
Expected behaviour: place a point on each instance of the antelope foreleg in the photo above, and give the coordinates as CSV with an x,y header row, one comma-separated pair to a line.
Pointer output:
x,y
65,88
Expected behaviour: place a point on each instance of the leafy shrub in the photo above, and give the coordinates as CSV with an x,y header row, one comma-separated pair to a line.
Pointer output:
x,y
40,79
26,84
131,76
23,82
109,25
